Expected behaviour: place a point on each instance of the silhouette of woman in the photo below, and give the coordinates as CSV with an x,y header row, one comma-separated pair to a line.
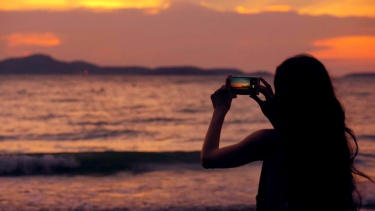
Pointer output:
x,y
308,156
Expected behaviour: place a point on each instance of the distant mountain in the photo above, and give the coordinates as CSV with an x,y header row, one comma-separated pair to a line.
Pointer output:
x,y
259,74
357,75
187,70
43,64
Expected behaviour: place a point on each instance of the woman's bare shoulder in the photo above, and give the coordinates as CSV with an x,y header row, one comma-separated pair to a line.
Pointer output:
x,y
267,135
260,143
261,139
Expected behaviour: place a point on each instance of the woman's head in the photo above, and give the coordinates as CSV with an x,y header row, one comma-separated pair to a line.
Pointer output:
x,y
303,77
303,88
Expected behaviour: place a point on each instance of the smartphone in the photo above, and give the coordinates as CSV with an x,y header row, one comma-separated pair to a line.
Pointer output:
x,y
244,85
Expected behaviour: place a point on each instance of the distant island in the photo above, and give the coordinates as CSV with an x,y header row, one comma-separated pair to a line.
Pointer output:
x,y
45,65
358,75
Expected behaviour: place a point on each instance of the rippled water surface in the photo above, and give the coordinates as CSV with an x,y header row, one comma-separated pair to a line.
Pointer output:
x,y
77,114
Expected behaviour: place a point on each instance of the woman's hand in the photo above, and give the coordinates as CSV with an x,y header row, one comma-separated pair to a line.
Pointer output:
x,y
222,98
267,106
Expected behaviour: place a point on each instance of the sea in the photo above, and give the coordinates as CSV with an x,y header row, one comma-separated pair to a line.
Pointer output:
x,y
120,142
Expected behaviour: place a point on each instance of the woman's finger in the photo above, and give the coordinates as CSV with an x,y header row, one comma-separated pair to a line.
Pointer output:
x,y
268,86
228,82
257,99
267,94
263,90
265,82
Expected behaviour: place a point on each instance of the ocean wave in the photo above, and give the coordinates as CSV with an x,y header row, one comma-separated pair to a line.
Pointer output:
x,y
8,138
191,110
93,134
156,119
371,137
44,117
78,136
26,164
96,123
242,121
365,160
367,155
134,107
93,163
65,100
138,120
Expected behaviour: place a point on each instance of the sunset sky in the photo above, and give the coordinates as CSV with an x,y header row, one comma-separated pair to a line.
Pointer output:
x,y
240,82
245,34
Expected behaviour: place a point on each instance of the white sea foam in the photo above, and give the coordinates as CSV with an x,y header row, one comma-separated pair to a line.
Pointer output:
x,y
25,164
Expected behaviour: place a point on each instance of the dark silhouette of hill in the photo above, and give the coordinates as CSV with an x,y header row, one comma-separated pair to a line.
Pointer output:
x,y
358,75
188,70
126,70
43,64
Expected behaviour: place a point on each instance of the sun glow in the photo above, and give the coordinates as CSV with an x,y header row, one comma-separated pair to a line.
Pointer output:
x,y
339,8
33,5
349,47
121,4
90,4
32,39
270,8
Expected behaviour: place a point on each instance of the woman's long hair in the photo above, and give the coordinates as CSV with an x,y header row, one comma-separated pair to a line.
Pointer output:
x,y
320,148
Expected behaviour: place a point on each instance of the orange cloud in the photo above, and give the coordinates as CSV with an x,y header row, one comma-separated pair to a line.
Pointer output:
x,y
348,47
270,8
339,8
118,4
32,5
91,4
32,39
